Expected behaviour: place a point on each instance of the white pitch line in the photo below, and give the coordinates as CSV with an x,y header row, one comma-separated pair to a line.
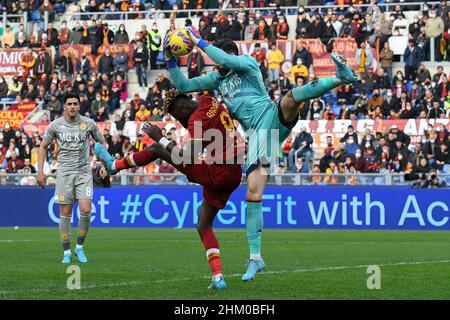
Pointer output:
x,y
309,242
318,269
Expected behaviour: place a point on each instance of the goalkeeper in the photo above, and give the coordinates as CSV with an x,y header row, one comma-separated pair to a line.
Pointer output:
x,y
266,123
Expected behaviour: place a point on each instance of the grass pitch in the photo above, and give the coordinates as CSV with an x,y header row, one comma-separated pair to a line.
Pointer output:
x,y
171,264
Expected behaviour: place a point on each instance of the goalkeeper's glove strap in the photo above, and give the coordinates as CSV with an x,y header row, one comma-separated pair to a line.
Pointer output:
x,y
171,62
202,44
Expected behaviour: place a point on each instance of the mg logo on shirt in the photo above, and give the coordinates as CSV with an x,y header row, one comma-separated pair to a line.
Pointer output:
x,y
72,136
231,87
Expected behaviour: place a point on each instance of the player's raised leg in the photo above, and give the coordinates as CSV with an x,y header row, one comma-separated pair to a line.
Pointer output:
x,y
256,182
316,88
65,216
113,166
204,227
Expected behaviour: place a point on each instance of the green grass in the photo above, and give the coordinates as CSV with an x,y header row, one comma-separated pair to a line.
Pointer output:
x,y
170,264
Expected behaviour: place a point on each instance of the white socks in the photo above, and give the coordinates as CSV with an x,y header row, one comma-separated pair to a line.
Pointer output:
x,y
255,256
217,277
67,252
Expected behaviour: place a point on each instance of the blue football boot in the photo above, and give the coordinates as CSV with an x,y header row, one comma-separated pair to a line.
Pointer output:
x,y
218,284
67,258
79,253
343,70
253,267
107,159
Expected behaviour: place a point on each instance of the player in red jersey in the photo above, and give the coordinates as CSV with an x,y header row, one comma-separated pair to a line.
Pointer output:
x,y
212,160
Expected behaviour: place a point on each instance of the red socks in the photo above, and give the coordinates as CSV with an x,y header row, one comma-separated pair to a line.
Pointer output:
x,y
136,159
212,250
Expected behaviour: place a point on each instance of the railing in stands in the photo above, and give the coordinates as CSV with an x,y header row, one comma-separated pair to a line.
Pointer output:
x,y
4,104
38,108
386,7
388,179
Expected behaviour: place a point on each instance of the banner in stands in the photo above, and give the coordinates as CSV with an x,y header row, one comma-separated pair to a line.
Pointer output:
x,y
77,50
23,106
14,117
337,128
322,64
308,207
10,60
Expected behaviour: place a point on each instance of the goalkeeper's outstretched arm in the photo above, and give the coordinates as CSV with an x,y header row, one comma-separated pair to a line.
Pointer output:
x,y
226,60
185,85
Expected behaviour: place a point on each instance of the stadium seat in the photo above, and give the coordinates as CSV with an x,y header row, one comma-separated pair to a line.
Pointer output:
x,y
59,8
409,86
35,15
336,109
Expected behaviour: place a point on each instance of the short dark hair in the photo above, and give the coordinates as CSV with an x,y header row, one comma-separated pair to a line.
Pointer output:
x,y
227,45
70,95
172,97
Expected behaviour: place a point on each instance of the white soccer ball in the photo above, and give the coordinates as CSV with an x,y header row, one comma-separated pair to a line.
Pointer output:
x,y
16,228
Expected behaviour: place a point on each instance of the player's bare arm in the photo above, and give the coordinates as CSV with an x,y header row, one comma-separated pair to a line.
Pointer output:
x,y
188,154
42,155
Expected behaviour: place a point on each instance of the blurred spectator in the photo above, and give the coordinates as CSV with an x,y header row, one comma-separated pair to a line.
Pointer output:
x,y
412,58
3,87
154,45
263,31
364,58
64,33
260,57
121,36
299,70
400,26
66,64
8,37
140,58
120,61
386,58
83,66
282,29
106,63
54,106
275,59
303,54
434,28
195,63
301,148
284,84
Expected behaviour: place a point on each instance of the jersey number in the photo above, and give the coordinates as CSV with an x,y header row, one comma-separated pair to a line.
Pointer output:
x,y
227,123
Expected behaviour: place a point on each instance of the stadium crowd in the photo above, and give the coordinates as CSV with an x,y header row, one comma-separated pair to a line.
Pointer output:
x,y
415,92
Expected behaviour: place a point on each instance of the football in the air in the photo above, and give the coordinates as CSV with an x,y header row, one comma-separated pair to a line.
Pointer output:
x,y
180,43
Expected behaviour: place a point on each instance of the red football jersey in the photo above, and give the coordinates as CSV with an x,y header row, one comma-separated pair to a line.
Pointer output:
x,y
209,122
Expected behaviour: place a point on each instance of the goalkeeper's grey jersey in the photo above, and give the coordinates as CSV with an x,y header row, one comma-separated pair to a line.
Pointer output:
x,y
73,143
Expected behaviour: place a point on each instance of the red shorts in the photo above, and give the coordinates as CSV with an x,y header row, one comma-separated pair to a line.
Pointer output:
x,y
218,181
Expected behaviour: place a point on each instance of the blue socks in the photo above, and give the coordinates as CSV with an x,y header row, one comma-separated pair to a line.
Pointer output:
x,y
254,228
315,89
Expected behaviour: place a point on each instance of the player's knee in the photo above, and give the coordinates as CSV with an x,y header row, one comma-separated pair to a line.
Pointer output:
x,y
65,211
86,213
85,210
253,193
202,226
288,101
